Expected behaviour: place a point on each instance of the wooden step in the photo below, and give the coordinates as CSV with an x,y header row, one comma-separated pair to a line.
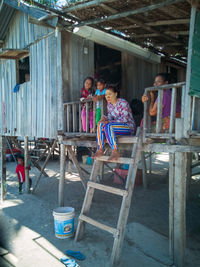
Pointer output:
x,y
102,226
108,189
119,160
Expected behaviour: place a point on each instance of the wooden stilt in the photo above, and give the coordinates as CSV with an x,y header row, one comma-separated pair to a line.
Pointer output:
x,y
62,175
26,164
171,205
189,173
33,161
180,208
44,165
3,167
75,161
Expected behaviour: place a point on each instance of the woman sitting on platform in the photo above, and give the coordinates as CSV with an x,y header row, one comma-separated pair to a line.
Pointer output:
x,y
119,121
162,79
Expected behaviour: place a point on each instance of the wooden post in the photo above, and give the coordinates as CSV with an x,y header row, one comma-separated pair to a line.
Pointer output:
x,y
87,118
171,205
159,112
180,208
3,167
26,164
187,104
80,121
94,117
189,173
173,111
62,176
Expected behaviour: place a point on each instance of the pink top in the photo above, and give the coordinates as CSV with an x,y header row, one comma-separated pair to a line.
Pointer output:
x,y
121,112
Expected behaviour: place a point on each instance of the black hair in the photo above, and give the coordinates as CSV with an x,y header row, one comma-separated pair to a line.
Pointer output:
x,y
113,87
88,78
100,80
165,76
20,157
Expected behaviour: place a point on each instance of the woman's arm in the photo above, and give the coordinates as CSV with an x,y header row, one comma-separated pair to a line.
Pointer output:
x,y
96,98
153,104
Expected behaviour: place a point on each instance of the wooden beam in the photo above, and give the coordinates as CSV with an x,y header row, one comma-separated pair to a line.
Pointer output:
x,y
3,167
139,23
174,33
62,176
75,161
86,5
130,12
44,165
157,23
33,161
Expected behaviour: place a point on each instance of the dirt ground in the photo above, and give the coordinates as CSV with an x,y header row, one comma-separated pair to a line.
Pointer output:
x,y
27,225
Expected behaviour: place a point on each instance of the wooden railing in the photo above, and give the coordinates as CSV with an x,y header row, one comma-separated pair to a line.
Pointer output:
x,y
72,115
147,125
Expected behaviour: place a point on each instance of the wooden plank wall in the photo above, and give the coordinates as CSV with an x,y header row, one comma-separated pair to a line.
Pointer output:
x,y
33,111
137,74
76,65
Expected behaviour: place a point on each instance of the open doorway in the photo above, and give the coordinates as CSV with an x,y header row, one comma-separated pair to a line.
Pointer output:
x,y
107,64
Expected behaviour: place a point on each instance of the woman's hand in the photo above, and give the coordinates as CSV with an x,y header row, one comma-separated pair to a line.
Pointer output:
x,y
145,98
104,120
95,98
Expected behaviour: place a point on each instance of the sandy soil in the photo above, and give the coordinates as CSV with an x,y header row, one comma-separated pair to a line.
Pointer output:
x,y
28,227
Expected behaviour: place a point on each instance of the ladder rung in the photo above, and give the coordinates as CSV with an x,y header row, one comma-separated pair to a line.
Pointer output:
x,y
108,189
102,226
38,149
119,160
34,157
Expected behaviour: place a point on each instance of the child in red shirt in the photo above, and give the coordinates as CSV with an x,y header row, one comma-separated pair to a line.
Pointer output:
x,y
20,170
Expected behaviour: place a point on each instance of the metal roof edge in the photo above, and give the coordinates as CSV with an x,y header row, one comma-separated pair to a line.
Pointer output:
x,y
117,43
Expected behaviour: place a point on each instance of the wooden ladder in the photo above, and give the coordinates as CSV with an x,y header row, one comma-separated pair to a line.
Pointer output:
x,y
118,233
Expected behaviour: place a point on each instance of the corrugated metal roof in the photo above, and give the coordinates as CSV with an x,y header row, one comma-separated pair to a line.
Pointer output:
x,y
6,15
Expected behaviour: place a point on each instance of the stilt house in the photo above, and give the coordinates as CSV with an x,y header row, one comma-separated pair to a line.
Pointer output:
x,y
49,52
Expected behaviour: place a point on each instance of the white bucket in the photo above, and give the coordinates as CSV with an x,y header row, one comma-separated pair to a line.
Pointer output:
x,y
64,222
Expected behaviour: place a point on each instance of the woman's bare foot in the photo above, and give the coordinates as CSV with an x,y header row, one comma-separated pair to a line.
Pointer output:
x,y
115,155
99,153
91,130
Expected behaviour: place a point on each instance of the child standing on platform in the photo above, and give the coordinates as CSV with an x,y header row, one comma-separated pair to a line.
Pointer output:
x,y
99,95
86,92
20,170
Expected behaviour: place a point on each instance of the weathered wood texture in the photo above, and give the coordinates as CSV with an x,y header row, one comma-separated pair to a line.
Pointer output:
x,y
136,75
62,175
76,65
180,209
33,111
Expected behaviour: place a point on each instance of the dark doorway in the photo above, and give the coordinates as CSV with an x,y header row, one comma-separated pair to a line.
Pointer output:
x,y
107,64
